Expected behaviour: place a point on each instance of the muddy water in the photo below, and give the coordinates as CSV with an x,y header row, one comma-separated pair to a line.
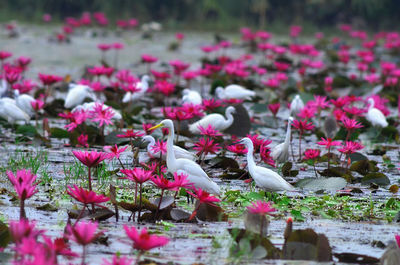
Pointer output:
x,y
190,243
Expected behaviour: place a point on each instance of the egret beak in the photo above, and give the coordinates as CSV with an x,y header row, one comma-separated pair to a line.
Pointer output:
x,y
157,126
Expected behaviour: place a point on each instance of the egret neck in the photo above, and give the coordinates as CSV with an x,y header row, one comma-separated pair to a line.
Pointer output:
x,y
250,158
288,131
170,149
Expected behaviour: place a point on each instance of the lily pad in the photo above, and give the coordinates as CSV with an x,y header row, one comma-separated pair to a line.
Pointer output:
x,y
27,130
47,207
179,215
253,223
364,167
224,162
356,258
329,184
5,236
249,242
377,178
165,202
210,213
59,133
101,214
306,244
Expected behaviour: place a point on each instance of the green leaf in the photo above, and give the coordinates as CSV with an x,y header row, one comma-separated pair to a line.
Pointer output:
x,y
5,236
297,215
26,130
59,133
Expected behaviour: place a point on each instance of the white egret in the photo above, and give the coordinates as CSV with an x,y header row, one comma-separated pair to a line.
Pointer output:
x,y
191,96
216,120
12,112
3,87
195,173
179,151
375,116
77,94
296,105
265,178
280,153
234,92
143,85
23,101
88,106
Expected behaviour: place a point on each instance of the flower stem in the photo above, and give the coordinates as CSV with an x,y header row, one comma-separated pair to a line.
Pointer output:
x,y
159,204
140,201
22,214
329,156
139,255
261,226
300,146
90,183
83,254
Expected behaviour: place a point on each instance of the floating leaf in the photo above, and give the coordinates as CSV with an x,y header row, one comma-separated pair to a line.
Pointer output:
x,y
286,169
305,244
329,184
26,130
364,167
59,133
5,236
377,178
224,162
47,207
356,258
357,157
165,202
211,213
337,172
250,240
179,215
101,214
253,223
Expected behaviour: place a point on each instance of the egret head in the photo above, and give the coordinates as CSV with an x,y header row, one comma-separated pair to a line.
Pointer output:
x,y
164,123
297,97
247,142
185,91
230,110
219,91
290,119
148,139
145,78
371,102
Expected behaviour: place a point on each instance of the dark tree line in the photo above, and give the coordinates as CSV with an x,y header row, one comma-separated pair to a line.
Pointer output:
x,y
371,14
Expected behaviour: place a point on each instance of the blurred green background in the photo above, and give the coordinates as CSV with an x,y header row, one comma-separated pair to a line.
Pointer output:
x,y
219,14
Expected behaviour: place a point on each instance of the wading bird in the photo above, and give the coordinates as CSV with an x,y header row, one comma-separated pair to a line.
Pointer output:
x,y
234,92
280,153
216,120
375,116
12,112
23,101
265,178
143,86
296,105
77,94
178,151
195,173
191,96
